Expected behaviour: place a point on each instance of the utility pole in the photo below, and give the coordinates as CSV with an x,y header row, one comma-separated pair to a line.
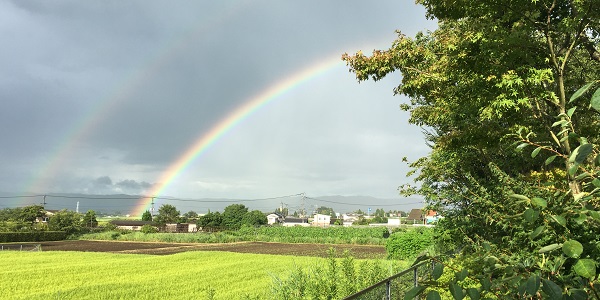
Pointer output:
x,y
44,203
302,212
152,210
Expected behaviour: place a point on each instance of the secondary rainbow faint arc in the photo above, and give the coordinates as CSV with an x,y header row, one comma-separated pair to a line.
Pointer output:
x,y
230,121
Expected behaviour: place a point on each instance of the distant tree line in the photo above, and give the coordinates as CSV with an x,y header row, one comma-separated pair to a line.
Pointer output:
x,y
35,218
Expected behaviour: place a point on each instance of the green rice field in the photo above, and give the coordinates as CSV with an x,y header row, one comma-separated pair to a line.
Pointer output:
x,y
188,275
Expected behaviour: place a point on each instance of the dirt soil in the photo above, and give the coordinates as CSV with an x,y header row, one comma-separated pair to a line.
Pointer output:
x,y
319,250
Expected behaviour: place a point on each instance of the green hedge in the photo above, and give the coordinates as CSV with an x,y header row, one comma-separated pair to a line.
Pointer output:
x,y
405,245
32,236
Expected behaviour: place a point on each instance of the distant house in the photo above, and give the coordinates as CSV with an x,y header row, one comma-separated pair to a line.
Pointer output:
x,y
274,219
418,216
431,217
47,214
289,221
415,216
321,220
130,224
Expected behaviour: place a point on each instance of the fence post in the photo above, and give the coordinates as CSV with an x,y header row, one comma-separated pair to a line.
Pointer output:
x,y
388,290
415,277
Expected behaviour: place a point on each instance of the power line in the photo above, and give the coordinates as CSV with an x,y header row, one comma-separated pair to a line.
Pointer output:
x,y
225,200
361,204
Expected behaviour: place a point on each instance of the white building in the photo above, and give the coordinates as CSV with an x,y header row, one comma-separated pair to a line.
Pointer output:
x,y
322,220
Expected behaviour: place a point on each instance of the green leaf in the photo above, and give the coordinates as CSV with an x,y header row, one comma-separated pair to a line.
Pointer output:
x,y
581,153
535,152
486,284
438,270
595,215
581,91
549,248
414,292
460,276
595,102
456,291
585,268
532,285
577,294
537,232
580,218
531,215
560,220
520,197
473,293
521,146
560,122
550,159
552,290
596,182
433,295
582,176
573,169
539,202
571,111
572,248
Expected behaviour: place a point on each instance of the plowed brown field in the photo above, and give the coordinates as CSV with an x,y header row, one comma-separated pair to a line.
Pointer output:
x,y
319,250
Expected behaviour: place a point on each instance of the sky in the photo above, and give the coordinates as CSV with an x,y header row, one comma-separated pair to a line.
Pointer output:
x,y
106,97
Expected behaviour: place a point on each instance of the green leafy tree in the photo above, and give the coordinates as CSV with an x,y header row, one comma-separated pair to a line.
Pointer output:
x,y
147,216
489,70
325,211
380,213
30,213
254,218
89,219
167,214
65,220
492,73
282,211
210,221
190,215
233,216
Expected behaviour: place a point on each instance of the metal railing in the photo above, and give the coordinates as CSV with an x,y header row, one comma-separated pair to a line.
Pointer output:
x,y
395,286
21,247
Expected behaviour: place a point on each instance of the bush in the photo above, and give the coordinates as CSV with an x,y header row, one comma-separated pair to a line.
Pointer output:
x,y
148,229
32,236
403,245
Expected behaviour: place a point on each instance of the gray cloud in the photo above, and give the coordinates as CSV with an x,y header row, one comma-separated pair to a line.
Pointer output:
x,y
124,88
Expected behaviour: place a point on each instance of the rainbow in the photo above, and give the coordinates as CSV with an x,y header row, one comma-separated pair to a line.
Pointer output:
x,y
206,140
127,87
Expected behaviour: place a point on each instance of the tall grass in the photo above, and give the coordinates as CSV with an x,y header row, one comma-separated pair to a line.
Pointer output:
x,y
331,235
335,279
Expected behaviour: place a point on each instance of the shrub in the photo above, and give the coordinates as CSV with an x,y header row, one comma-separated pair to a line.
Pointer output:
x,y
148,229
32,236
403,245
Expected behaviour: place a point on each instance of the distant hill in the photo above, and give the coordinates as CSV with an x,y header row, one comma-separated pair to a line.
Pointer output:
x,y
121,204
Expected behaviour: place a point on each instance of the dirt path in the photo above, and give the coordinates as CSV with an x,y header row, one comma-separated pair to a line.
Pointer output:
x,y
319,250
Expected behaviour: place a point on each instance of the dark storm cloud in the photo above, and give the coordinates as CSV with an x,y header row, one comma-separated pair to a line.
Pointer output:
x,y
146,79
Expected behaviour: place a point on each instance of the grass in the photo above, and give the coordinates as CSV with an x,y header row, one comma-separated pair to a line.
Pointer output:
x,y
313,235
189,275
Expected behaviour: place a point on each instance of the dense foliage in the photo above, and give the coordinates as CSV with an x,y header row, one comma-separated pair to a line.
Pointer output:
x,y
167,214
336,279
524,216
409,244
331,235
233,218
20,218
32,236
